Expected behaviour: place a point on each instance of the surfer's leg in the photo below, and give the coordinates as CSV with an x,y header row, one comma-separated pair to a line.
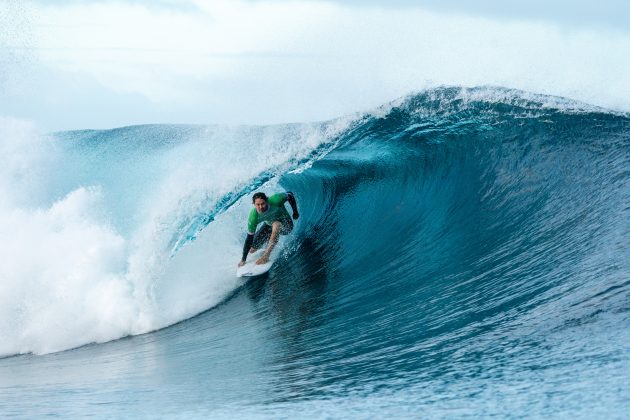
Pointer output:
x,y
261,238
286,227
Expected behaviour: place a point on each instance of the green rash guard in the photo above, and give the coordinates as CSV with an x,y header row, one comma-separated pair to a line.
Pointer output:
x,y
275,211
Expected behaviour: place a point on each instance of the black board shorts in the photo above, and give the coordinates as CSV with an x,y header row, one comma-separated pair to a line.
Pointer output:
x,y
264,233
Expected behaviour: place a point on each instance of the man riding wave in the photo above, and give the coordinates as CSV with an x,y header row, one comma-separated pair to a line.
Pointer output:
x,y
272,212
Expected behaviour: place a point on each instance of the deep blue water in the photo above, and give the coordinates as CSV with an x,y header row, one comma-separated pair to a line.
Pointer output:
x,y
460,253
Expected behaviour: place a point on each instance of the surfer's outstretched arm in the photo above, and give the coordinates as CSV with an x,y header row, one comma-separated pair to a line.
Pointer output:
x,y
273,240
248,244
293,204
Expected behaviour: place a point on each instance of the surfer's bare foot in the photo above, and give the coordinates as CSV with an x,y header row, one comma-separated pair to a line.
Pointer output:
x,y
252,250
242,263
263,260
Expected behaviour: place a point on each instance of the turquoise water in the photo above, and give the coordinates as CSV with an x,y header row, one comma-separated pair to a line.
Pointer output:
x,y
460,253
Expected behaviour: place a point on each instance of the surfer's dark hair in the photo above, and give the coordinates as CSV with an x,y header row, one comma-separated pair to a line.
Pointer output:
x,y
259,195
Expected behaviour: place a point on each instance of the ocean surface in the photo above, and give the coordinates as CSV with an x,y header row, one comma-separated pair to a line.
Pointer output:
x,y
460,253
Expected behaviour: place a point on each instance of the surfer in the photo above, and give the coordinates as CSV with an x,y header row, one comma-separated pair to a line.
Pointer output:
x,y
276,220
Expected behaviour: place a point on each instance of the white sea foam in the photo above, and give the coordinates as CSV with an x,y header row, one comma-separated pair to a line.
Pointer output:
x,y
62,272
73,273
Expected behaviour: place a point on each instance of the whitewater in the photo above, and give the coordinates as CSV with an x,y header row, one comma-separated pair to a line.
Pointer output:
x,y
460,252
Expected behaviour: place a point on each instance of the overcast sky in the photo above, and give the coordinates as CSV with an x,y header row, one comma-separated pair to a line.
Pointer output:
x,y
99,64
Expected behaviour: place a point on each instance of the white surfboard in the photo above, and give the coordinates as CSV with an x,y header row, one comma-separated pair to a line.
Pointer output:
x,y
251,269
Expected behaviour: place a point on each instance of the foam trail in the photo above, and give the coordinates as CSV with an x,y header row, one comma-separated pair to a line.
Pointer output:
x,y
88,218
63,271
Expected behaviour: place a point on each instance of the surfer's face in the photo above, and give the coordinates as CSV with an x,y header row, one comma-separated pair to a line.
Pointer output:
x,y
261,205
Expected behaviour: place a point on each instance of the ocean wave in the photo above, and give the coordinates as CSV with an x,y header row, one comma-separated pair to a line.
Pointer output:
x,y
449,215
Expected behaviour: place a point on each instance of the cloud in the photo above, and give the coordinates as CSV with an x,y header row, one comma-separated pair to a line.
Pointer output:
x,y
600,14
275,61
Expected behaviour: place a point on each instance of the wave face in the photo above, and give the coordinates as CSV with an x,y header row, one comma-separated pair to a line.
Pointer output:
x,y
459,252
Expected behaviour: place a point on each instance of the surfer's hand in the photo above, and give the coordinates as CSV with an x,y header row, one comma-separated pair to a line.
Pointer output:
x,y
242,263
263,260
296,215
